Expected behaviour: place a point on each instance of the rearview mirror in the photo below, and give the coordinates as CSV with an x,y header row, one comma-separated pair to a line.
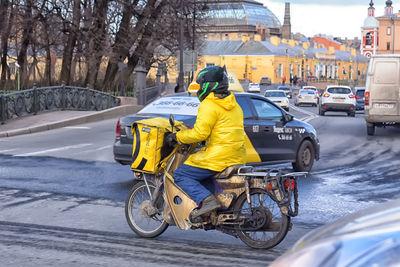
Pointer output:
x,y
172,121
288,117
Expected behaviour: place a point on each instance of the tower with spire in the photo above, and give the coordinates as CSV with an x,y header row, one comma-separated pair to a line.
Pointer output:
x,y
388,8
369,32
286,27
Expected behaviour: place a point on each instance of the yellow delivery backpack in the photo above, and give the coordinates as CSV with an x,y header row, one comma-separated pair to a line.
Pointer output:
x,y
148,139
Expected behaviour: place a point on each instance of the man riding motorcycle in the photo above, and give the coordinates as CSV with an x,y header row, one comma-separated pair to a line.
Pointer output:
x,y
220,123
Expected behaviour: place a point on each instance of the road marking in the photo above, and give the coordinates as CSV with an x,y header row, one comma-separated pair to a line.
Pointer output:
x,y
7,150
303,111
52,150
97,149
77,127
310,116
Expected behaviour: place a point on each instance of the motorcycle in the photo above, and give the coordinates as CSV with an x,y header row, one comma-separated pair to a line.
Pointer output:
x,y
256,203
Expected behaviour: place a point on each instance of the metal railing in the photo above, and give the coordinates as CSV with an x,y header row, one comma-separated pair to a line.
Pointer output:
x,y
148,94
35,100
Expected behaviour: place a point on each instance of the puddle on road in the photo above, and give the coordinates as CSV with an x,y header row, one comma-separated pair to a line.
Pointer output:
x,y
330,193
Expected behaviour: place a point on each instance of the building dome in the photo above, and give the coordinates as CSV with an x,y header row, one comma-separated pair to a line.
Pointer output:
x,y
234,13
371,22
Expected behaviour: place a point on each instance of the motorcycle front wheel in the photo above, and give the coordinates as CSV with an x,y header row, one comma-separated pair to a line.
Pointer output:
x,y
273,224
144,226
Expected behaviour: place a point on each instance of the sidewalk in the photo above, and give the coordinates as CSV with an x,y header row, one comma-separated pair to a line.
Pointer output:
x,y
57,119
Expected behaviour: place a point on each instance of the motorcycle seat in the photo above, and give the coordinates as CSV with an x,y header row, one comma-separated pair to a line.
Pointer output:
x,y
229,171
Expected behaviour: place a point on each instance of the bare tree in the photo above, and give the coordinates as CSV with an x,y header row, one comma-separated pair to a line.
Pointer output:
x,y
96,41
72,29
26,39
122,44
5,28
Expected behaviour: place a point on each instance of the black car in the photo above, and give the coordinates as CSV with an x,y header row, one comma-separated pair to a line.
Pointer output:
x,y
272,135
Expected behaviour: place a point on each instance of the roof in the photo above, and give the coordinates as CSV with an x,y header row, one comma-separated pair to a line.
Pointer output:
x,y
217,48
250,12
371,22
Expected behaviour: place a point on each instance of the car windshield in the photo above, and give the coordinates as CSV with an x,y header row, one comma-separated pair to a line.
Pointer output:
x,y
254,84
310,88
275,94
307,92
177,105
339,90
284,88
360,93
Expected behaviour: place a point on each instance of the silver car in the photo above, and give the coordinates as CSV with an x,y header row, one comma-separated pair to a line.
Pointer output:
x,y
367,238
306,96
279,97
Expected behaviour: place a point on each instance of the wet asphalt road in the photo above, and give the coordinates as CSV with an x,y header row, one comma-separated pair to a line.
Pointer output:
x,y
62,197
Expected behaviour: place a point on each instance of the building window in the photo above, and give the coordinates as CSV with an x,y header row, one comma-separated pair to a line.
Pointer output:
x,y
368,39
388,30
388,46
280,70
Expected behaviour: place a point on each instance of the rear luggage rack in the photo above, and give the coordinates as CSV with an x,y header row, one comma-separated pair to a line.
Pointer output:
x,y
262,172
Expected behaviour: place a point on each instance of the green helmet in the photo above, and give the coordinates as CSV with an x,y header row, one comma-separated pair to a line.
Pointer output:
x,y
212,79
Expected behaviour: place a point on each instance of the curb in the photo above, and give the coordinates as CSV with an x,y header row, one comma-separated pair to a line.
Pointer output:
x,y
98,116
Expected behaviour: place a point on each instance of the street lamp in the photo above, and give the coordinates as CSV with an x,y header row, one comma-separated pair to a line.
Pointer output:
x,y
18,76
181,74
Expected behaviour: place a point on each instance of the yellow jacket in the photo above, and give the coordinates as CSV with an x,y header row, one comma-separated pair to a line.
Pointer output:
x,y
220,123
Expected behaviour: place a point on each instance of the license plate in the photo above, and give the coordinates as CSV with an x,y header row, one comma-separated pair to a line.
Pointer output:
x,y
383,106
338,100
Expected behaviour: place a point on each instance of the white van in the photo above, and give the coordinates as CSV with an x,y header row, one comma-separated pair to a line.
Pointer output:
x,y
382,92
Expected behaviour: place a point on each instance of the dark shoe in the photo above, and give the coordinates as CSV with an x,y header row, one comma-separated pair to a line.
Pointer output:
x,y
210,203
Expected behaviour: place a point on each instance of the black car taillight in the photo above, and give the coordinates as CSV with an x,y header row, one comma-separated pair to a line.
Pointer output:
x,y
118,129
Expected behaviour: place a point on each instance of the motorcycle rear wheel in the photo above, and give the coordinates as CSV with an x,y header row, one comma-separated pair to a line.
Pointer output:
x,y
145,227
258,238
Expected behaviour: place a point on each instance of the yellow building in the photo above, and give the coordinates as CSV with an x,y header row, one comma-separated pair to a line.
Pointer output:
x,y
276,58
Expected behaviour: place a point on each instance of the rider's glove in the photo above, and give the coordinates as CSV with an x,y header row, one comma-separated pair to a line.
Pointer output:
x,y
171,139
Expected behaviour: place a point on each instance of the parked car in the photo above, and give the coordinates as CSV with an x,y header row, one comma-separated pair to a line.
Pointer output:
x,y
254,88
272,135
265,81
306,96
370,237
382,92
287,90
279,97
359,93
338,98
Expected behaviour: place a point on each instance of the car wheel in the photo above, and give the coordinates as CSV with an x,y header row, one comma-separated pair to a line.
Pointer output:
x,y
305,157
370,128
353,114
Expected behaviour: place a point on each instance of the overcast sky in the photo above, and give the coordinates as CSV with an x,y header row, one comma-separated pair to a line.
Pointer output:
x,y
339,18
